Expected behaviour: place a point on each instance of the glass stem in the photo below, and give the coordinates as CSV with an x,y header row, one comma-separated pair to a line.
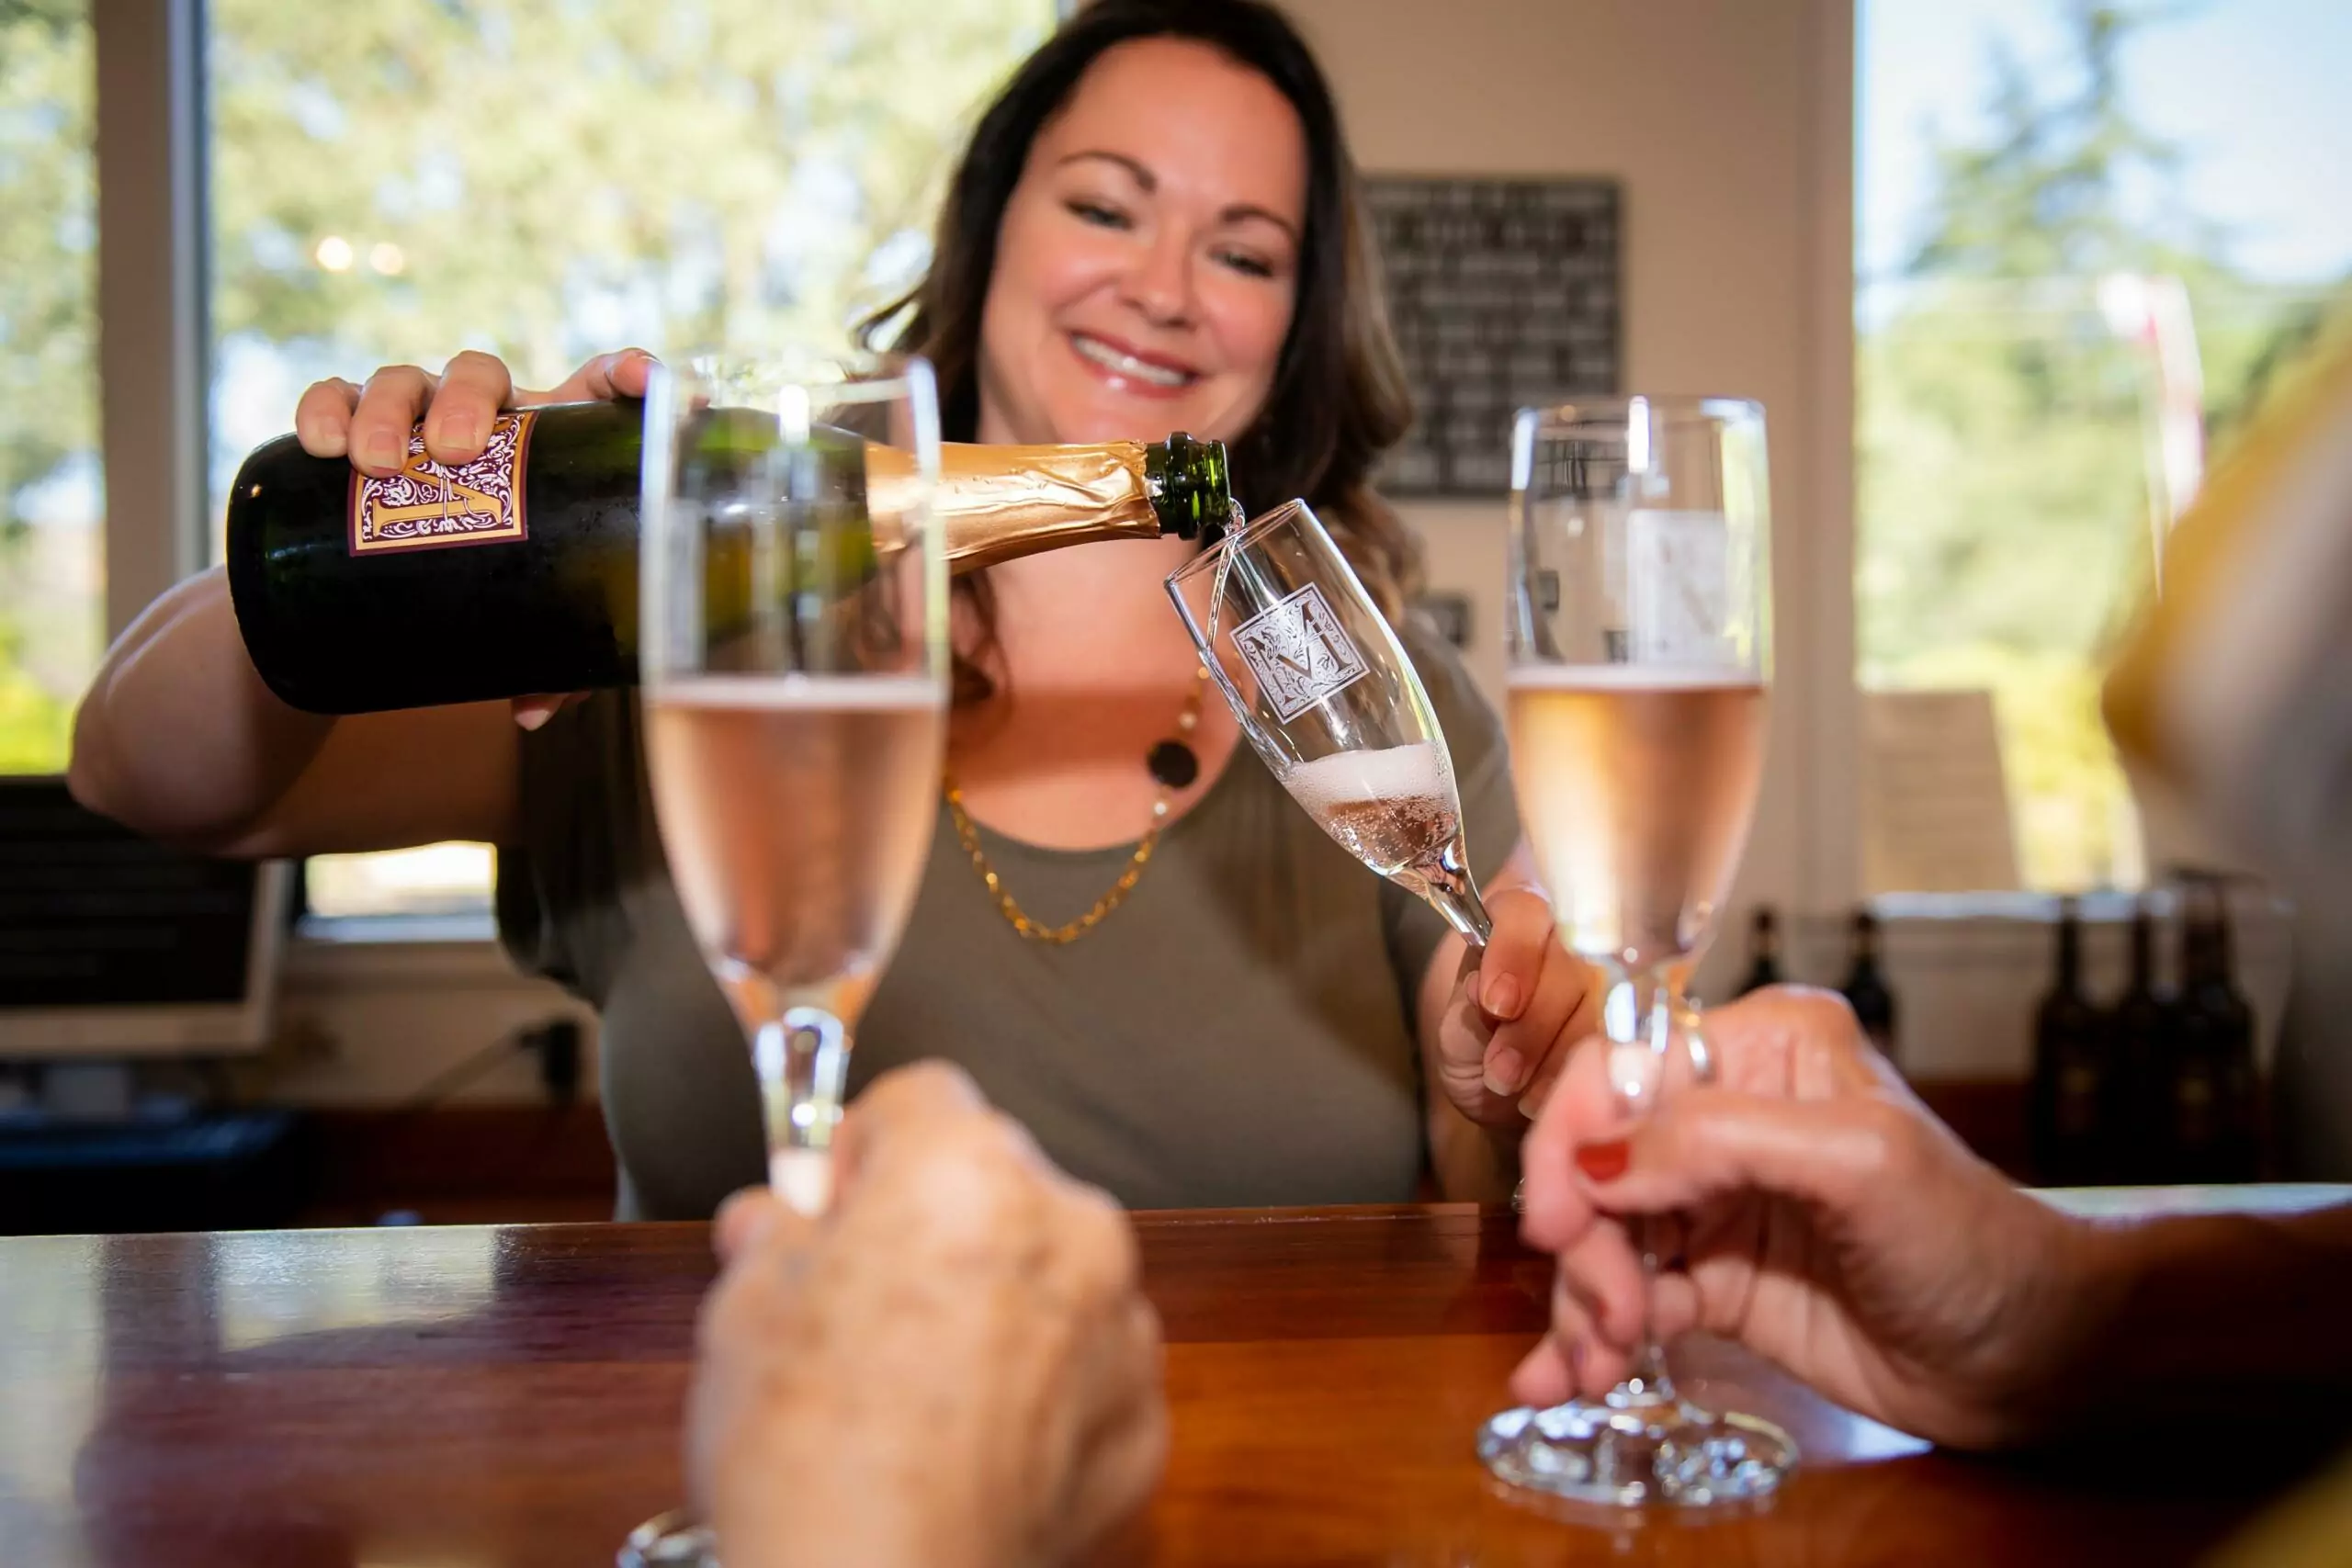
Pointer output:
x,y
1648,1384
803,1063
1640,1012
1445,885
1462,909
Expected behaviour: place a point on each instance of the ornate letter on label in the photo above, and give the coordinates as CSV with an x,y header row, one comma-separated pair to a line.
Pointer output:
x,y
1299,651
430,506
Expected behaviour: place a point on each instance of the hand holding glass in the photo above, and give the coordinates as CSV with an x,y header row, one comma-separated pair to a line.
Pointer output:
x,y
1638,623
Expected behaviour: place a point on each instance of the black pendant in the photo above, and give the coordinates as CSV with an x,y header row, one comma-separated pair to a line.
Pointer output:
x,y
1173,764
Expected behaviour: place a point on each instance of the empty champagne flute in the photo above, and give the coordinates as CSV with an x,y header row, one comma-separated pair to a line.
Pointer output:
x,y
1638,619
794,661
1329,699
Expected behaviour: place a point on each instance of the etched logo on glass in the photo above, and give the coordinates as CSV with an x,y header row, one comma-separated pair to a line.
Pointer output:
x,y
429,505
1299,651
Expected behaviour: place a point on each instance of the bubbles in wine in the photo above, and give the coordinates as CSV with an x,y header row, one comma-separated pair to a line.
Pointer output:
x,y
1392,808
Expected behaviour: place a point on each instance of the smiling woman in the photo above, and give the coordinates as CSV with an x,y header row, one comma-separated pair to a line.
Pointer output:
x,y
1156,226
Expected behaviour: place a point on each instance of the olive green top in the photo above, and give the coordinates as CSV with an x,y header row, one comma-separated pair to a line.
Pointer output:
x,y
1240,1031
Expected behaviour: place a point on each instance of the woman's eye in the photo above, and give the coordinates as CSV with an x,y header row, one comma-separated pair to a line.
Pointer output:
x,y
1246,264
1096,213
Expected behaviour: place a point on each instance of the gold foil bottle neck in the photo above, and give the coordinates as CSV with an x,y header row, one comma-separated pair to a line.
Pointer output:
x,y
998,503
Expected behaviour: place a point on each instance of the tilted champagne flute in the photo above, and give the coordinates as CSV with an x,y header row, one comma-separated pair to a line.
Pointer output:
x,y
1330,700
795,670
1639,624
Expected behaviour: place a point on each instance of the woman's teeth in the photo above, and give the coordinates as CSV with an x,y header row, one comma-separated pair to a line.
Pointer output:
x,y
1110,358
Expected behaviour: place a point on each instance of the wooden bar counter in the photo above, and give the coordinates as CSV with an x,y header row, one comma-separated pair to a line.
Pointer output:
x,y
469,1397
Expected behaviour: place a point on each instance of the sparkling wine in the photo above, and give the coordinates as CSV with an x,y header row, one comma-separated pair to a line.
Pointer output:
x,y
1637,785
797,812
1391,808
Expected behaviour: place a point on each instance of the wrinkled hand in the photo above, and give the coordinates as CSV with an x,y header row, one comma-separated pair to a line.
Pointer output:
x,y
371,424
1822,1217
954,1366
1516,1008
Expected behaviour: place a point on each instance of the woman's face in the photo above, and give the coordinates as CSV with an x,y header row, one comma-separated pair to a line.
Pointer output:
x,y
1146,260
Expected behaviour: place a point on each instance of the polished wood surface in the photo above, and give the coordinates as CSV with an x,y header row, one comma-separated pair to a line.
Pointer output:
x,y
511,1163
468,1397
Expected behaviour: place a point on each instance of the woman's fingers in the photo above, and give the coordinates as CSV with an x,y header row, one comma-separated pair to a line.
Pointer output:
x,y
390,405
475,390
532,712
1603,1274
1514,958
621,374
371,424
322,419
1537,1042
1578,1107
1838,1155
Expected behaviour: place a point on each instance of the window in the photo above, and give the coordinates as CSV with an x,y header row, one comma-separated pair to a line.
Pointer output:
x,y
546,179
2088,242
52,493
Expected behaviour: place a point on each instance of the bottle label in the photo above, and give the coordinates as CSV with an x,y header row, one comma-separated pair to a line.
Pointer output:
x,y
431,507
1299,653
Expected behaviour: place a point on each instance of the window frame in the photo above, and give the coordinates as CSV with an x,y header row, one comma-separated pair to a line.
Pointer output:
x,y
151,124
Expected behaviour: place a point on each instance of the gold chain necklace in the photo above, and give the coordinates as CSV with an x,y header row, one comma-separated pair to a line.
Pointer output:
x,y
968,832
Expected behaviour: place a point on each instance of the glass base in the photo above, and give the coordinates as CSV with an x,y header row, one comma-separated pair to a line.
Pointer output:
x,y
675,1540
1667,1452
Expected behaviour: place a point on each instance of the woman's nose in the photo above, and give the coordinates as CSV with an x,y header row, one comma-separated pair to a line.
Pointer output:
x,y
1160,282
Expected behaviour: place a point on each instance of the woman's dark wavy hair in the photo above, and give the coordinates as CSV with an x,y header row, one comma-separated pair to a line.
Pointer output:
x,y
1338,398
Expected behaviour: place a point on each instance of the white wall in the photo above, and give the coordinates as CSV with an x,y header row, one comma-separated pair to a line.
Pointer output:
x,y
1729,124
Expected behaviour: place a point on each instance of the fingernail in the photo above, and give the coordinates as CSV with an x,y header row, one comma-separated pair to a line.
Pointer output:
x,y
382,449
532,717
461,432
1604,1162
1504,1070
1499,995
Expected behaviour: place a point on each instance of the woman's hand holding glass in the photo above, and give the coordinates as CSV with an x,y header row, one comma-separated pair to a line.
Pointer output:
x,y
1815,1211
1518,1007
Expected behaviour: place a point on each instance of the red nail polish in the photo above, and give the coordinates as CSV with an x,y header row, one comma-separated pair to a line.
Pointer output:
x,y
1604,1162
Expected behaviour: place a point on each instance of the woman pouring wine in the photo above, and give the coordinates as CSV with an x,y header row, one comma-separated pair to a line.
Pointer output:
x,y
1126,931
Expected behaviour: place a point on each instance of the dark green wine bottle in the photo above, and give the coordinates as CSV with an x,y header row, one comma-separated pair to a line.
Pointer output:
x,y
517,574
2068,1101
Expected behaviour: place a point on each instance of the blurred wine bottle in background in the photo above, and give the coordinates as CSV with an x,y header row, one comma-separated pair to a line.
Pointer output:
x,y
2210,1081
2138,1109
2071,1131
1763,950
1865,987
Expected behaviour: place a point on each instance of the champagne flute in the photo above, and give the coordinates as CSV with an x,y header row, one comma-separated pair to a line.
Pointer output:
x,y
1327,697
794,661
1639,628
